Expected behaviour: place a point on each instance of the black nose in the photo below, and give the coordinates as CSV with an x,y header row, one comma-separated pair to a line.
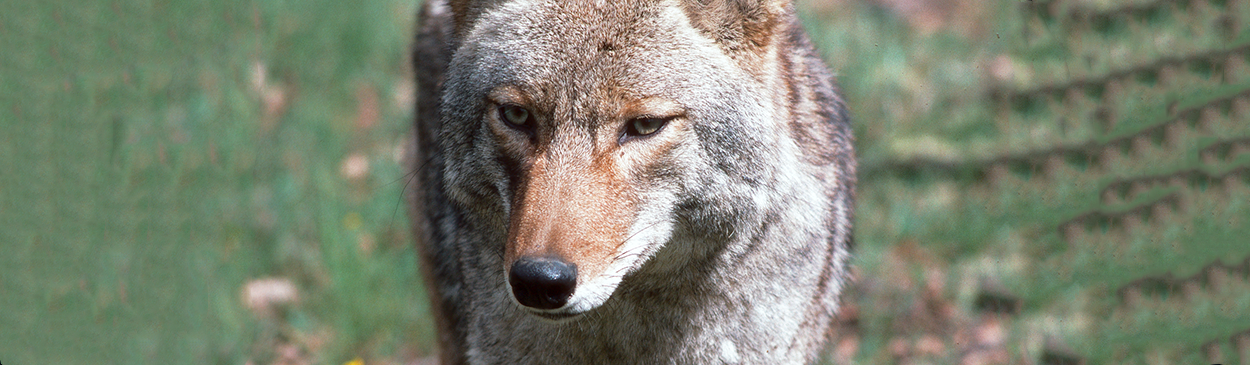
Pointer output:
x,y
542,283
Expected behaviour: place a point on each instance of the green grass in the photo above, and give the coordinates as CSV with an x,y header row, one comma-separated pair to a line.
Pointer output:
x,y
158,156
145,182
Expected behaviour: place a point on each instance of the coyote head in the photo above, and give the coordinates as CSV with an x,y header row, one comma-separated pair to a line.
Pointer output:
x,y
584,136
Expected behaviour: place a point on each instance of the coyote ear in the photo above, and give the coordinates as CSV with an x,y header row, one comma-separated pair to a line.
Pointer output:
x,y
739,25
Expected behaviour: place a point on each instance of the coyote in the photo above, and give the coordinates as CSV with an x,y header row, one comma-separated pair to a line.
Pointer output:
x,y
628,181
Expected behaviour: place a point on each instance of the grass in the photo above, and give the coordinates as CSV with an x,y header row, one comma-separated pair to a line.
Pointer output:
x,y
162,154
158,158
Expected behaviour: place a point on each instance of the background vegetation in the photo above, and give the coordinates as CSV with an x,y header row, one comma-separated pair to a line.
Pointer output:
x,y
218,182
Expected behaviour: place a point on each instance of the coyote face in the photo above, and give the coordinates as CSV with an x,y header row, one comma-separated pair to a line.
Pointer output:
x,y
628,181
586,143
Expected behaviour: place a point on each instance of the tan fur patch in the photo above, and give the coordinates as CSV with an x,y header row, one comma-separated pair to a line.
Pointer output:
x,y
651,108
573,212
571,199
738,25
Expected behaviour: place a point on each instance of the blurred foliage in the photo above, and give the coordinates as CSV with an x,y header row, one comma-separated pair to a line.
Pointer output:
x,y
1041,182
158,155
1078,193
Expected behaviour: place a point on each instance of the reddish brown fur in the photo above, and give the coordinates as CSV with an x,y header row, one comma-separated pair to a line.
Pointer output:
x,y
744,28
565,205
576,214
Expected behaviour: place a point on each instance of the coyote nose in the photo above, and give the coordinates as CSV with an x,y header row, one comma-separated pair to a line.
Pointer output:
x,y
542,283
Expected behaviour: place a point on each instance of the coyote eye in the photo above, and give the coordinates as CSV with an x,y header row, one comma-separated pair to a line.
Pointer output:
x,y
639,127
515,116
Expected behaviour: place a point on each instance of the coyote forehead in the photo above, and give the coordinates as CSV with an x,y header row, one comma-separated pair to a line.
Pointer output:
x,y
572,47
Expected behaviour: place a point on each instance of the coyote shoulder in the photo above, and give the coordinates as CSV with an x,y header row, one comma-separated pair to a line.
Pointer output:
x,y
628,181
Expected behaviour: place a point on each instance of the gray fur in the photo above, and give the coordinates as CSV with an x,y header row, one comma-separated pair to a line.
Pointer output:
x,y
739,245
